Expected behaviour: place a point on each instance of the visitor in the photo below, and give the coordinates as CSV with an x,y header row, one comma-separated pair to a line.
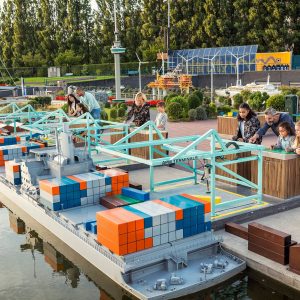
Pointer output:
x,y
296,145
81,109
286,137
248,125
139,110
72,105
161,117
273,119
90,102
71,89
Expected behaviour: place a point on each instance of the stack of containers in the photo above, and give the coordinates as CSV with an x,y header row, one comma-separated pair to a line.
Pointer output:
x,y
13,172
75,190
128,196
9,140
11,152
119,180
152,223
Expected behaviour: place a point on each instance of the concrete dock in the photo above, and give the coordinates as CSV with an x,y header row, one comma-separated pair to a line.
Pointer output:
x,y
288,222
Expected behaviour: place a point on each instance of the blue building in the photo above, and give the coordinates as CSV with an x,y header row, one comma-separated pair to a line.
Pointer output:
x,y
225,60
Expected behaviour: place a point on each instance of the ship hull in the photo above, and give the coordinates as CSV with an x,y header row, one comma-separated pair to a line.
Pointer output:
x,y
104,263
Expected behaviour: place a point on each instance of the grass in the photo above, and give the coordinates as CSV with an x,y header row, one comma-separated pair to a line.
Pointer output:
x,y
41,80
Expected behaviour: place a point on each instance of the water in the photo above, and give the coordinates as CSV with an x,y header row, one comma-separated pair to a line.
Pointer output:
x,y
35,265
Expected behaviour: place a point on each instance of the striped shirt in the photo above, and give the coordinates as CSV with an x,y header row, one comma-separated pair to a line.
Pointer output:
x,y
161,121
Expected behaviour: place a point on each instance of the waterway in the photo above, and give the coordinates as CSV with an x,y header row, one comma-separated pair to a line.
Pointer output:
x,y
35,265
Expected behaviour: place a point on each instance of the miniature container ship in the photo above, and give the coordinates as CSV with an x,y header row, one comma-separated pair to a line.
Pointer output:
x,y
153,248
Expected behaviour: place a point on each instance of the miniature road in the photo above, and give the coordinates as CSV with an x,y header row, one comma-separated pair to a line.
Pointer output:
x,y
288,222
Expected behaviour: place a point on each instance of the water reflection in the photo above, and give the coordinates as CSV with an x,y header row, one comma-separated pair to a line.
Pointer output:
x,y
43,252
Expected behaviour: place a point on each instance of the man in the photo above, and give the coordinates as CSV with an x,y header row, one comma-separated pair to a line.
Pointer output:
x,y
273,119
90,102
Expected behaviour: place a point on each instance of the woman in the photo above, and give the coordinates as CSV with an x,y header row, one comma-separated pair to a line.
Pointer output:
x,y
73,105
140,110
248,124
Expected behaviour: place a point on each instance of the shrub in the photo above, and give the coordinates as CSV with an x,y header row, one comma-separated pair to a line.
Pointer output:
x,y
124,106
41,101
175,111
257,100
287,90
193,101
192,114
107,105
65,108
113,113
246,95
201,113
169,97
225,109
211,110
199,94
224,100
277,102
237,100
206,100
104,115
121,112
182,102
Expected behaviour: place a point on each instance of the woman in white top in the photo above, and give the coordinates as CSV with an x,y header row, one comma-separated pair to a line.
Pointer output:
x,y
73,106
248,124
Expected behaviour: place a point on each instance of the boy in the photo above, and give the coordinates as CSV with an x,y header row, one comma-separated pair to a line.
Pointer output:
x,y
162,117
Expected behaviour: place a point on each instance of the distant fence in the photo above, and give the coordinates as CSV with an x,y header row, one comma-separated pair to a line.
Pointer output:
x,y
83,70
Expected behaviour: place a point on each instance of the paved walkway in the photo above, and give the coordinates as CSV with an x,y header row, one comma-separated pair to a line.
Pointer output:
x,y
200,127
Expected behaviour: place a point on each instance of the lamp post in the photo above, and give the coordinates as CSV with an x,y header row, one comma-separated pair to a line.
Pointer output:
x,y
212,66
237,65
187,62
140,75
116,50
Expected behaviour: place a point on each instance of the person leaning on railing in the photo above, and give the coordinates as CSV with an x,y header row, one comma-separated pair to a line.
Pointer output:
x,y
273,119
90,103
248,124
140,110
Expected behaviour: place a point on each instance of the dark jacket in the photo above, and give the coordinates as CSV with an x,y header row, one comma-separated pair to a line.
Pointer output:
x,y
250,128
141,114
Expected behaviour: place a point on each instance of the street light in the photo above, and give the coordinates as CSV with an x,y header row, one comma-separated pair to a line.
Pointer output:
x,y
116,50
237,65
212,66
187,62
140,76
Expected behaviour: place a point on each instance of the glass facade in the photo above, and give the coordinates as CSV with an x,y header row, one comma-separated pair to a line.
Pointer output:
x,y
198,61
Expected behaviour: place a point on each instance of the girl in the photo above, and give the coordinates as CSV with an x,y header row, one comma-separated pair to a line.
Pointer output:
x,y
72,105
81,109
139,111
248,124
286,137
296,145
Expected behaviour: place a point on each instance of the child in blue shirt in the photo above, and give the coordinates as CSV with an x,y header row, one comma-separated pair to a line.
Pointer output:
x,y
286,137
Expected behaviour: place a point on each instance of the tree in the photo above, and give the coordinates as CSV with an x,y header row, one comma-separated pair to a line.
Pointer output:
x,y
46,33
68,58
7,32
19,37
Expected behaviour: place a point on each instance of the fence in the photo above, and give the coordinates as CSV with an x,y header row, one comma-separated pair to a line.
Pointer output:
x,y
82,70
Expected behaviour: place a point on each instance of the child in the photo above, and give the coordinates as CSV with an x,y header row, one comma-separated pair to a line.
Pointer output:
x,y
286,137
162,117
296,145
81,109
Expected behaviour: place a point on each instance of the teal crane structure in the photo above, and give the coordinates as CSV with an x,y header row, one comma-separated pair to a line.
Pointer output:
x,y
12,113
181,154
